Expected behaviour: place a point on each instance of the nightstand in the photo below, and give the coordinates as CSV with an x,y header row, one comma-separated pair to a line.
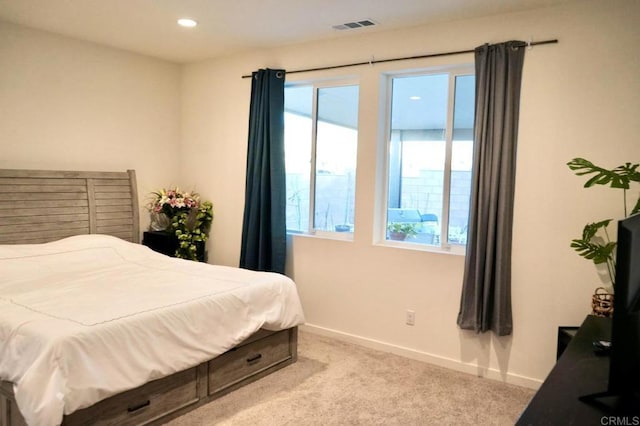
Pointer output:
x,y
565,335
167,243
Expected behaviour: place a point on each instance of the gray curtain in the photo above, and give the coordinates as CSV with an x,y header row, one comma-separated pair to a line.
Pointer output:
x,y
264,227
486,291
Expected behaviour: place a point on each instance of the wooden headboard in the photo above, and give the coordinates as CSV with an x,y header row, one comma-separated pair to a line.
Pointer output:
x,y
38,206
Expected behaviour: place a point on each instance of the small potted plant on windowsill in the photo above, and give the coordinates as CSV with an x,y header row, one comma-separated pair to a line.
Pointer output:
x,y
400,231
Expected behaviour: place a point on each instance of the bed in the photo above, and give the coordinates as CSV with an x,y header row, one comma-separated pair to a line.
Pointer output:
x,y
97,329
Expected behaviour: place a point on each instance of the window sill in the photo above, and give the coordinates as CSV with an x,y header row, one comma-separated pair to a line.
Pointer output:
x,y
335,236
456,250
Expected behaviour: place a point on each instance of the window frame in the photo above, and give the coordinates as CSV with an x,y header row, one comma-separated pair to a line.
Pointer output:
x,y
316,85
380,234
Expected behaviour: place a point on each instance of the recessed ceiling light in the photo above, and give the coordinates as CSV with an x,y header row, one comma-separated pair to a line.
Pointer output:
x,y
186,22
415,98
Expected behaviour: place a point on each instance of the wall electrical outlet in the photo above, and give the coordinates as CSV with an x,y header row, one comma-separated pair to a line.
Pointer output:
x,y
411,317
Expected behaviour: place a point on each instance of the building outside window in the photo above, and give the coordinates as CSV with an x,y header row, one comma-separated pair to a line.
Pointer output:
x,y
429,157
321,132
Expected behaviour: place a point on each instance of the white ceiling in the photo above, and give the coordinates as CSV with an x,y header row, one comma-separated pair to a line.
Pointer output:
x,y
149,26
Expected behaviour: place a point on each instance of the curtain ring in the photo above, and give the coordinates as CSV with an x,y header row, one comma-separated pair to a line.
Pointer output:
x,y
279,74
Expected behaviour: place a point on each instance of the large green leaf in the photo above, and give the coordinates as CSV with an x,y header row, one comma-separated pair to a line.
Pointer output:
x,y
591,249
616,178
591,229
632,171
598,253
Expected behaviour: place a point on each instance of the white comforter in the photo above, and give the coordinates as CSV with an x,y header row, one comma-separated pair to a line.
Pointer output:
x,y
90,316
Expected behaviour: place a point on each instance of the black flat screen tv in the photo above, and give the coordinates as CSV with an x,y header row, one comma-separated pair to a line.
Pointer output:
x,y
623,393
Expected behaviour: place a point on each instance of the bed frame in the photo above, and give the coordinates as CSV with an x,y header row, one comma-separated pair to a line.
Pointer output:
x,y
38,206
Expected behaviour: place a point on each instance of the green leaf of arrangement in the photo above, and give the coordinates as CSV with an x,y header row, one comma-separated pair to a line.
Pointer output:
x,y
195,233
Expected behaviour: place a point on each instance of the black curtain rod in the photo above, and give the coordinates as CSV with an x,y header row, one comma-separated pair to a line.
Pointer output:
x,y
379,61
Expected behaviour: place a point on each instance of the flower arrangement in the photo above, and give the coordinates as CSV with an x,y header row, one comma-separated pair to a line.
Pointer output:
x,y
184,215
172,201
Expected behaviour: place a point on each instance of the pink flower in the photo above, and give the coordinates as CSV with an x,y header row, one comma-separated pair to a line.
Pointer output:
x,y
174,198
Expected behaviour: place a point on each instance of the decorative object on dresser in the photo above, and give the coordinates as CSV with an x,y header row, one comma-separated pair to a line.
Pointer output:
x,y
184,216
595,244
97,294
602,303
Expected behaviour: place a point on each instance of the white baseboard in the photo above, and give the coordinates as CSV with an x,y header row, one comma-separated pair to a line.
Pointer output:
x,y
453,364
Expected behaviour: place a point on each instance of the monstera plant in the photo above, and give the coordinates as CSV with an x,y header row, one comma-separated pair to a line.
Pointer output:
x,y
595,244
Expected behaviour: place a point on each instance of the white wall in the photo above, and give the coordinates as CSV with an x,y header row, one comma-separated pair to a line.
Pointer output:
x,y
71,105
579,98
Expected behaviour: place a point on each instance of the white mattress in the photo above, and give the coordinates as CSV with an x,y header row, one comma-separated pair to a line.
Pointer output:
x,y
90,316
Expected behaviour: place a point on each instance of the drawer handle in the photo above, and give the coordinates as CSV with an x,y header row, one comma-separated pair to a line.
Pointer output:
x,y
254,359
139,406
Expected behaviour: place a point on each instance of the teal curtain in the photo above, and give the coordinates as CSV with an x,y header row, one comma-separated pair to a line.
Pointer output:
x,y
486,289
264,226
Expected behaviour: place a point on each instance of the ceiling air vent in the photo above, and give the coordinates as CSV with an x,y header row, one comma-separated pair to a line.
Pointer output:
x,y
355,24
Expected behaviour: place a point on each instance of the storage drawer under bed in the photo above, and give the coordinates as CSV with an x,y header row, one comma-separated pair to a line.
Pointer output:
x,y
143,404
232,368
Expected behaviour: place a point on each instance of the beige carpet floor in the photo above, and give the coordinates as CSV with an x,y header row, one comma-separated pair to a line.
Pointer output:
x,y
336,383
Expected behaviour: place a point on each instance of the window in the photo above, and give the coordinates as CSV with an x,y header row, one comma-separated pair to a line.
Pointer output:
x,y
429,157
321,133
